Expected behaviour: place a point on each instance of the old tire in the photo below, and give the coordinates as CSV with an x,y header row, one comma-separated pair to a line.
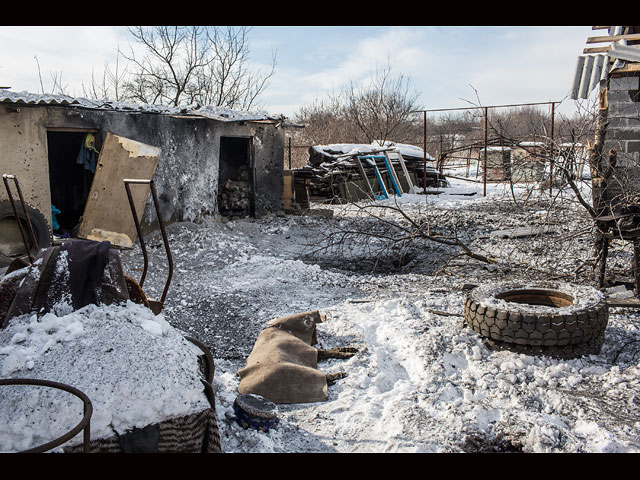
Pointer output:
x,y
11,244
560,321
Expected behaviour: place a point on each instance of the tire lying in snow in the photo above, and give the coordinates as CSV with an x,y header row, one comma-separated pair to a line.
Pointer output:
x,y
11,245
564,320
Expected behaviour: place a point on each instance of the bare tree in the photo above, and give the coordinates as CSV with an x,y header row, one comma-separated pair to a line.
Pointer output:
x,y
110,86
229,80
56,77
172,57
379,109
325,123
195,64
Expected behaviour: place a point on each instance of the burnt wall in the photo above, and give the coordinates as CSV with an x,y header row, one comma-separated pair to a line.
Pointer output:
x,y
187,175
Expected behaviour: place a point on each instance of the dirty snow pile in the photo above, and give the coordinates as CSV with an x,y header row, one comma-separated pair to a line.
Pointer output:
x,y
135,368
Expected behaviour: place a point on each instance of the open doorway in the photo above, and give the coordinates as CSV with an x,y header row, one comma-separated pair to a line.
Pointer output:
x,y
72,161
236,189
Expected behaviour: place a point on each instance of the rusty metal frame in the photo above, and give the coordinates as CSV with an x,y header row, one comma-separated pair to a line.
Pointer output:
x,y
85,423
208,358
486,114
127,182
5,179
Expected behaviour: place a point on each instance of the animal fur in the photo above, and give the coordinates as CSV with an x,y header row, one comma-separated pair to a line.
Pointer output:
x,y
283,363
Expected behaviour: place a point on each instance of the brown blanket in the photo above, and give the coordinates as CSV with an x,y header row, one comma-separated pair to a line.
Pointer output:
x,y
282,364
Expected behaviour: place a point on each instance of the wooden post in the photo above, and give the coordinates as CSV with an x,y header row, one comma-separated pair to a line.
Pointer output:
x,y
636,265
599,186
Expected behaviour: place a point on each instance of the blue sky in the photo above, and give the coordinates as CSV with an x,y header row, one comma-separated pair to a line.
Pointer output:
x,y
505,64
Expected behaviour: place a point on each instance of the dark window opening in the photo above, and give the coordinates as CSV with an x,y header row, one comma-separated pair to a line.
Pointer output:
x,y
235,187
71,170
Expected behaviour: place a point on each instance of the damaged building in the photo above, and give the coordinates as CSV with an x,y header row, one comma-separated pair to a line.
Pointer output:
x,y
67,155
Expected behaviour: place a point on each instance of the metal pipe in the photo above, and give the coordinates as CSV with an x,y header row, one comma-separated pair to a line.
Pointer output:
x,y
208,358
5,179
488,106
424,152
154,195
486,133
138,230
85,423
553,105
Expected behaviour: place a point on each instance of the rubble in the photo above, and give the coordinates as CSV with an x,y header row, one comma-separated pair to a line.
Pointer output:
x,y
333,170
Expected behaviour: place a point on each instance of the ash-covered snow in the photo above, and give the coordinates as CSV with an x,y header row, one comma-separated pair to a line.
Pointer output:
x,y
135,368
421,381
583,297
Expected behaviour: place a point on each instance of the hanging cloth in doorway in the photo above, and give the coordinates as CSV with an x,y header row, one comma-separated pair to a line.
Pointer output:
x,y
87,155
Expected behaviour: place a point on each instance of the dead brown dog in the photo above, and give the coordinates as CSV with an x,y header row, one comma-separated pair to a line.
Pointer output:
x,y
283,364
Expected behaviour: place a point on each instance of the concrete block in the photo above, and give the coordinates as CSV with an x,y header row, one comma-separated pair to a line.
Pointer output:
x,y
633,146
624,83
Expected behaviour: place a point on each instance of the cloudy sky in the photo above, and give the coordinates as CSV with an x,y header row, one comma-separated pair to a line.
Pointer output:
x,y
446,65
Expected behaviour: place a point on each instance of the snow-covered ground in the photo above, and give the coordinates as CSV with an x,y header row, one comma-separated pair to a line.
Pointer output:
x,y
421,381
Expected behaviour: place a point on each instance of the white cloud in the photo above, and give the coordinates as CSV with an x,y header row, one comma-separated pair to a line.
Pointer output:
x,y
505,64
69,52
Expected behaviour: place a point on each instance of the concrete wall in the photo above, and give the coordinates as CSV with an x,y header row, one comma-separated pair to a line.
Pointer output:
x,y
187,174
23,152
623,132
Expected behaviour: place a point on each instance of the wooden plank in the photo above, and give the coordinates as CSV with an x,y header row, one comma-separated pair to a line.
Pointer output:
x,y
287,192
364,176
628,68
406,172
597,49
624,302
301,192
393,175
614,38
107,214
601,28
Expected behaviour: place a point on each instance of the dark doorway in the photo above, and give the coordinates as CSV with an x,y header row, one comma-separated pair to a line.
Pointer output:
x,y
236,189
71,172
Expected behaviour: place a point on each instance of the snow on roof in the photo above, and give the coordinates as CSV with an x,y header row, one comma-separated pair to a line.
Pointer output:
x,y
208,111
375,146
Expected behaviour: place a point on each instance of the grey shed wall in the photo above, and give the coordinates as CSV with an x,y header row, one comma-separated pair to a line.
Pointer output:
x,y
187,174
623,133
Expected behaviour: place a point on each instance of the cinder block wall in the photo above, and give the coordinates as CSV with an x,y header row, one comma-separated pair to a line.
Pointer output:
x,y
623,135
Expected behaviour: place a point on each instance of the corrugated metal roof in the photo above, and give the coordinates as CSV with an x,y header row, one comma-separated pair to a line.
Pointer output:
x,y
589,71
215,113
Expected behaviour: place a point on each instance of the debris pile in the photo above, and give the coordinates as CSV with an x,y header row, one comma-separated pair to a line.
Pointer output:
x,y
234,199
234,196
335,170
